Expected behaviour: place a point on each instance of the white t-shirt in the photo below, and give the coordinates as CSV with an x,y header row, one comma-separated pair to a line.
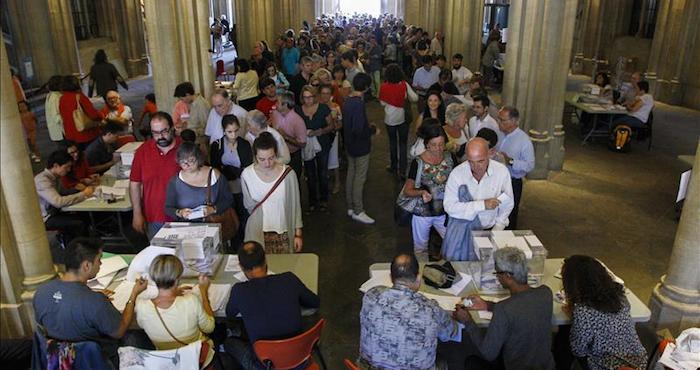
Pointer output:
x,y
461,74
642,113
283,155
475,124
274,207
214,129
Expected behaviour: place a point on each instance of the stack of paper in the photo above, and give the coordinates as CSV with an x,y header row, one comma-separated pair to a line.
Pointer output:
x,y
232,264
127,151
218,295
108,270
377,278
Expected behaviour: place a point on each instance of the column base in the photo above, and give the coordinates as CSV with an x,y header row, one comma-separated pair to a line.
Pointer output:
x,y
673,309
137,67
556,149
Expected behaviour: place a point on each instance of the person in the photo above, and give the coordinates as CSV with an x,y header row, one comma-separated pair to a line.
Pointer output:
x,y
52,198
392,95
292,128
149,108
230,155
153,166
492,138
246,85
628,90
602,79
491,54
478,196
275,212
115,110
51,108
341,85
29,129
278,77
357,134
436,44
222,105
260,57
257,123
197,191
602,331
104,75
190,111
455,128
67,309
17,85
441,62
481,117
71,97
216,30
290,58
268,100
318,120
351,64
461,75
444,77
375,64
270,305
325,94
80,176
423,78
638,109
303,78
331,60
518,154
173,318
434,108
100,153
188,135
399,327
426,179
520,330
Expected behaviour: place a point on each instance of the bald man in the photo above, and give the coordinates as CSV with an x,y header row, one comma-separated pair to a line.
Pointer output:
x,y
478,196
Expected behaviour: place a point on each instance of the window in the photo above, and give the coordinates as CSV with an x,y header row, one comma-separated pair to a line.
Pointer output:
x,y
643,18
85,19
371,7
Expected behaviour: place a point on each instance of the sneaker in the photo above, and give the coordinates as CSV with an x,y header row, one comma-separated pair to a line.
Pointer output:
x,y
351,212
362,217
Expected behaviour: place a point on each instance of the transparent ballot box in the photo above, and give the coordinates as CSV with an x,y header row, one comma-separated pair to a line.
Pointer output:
x,y
198,245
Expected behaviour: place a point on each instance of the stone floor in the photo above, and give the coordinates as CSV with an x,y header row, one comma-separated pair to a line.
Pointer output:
x,y
616,207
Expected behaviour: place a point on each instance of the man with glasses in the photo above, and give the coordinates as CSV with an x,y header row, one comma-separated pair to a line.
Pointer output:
x,y
520,328
154,164
116,111
222,105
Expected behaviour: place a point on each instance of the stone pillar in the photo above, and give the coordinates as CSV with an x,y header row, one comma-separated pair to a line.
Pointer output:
x,y
178,42
255,20
42,49
136,63
675,301
19,194
62,32
462,29
537,62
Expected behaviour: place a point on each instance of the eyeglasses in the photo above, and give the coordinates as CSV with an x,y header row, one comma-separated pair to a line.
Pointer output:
x,y
307,96
161,132
189,162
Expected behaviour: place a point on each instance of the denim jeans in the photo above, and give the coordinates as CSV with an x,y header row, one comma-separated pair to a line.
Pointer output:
x,y
398,135
317,177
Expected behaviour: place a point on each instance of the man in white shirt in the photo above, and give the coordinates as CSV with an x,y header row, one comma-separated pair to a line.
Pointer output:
x,y
436,45
638,109
478,196
221,106
482,118
423,78
257,123
460,74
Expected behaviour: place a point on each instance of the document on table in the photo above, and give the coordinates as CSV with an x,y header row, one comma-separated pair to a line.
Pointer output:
x,y
111,265
122,294
445,302
101,283
121,184
377,278
232,264
457,287
218,295
117,192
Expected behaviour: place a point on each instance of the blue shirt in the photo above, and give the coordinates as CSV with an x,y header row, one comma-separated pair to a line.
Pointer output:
x,y
290,60
518,146
425,79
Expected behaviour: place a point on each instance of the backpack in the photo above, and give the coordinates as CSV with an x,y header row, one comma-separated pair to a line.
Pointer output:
x,y
620,139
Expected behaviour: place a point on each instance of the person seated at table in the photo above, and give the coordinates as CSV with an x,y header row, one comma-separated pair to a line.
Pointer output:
x,y
271,197
628,89
257,124
267,101
67,309
399,327
270,305
602,331
173,319
101,154
116,111
520,329
197,191
80,175
51,199
638,109
602,79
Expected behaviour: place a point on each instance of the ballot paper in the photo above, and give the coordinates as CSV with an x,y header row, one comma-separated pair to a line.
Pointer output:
x,y
457,287
446,302
121,295
504,198
192,249
455,336
197,213
111,265
218,295
683,185
117,192
121,184
142,262
232,264
101,283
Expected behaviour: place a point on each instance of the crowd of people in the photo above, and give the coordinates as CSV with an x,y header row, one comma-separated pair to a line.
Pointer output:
x,y
292,114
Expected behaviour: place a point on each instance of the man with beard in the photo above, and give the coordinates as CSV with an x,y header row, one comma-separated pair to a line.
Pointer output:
x,y
461,75
154,164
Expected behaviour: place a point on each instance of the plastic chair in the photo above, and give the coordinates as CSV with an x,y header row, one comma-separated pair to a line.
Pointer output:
x,y
350,365
221,70
289,353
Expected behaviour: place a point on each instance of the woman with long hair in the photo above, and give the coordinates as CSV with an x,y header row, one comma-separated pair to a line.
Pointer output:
x,y
434,108
104,75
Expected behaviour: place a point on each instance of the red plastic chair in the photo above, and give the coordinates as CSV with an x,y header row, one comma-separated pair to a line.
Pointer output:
x,y
350,365
289,353
221,70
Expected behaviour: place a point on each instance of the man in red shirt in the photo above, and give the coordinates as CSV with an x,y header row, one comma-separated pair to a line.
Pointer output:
x,y
267,103
154,164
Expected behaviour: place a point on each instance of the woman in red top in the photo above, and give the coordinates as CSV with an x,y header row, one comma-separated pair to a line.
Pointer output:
x,y
80,175
69,103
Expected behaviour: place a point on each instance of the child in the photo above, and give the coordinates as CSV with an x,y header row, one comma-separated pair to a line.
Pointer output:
x,y
358,141
29,126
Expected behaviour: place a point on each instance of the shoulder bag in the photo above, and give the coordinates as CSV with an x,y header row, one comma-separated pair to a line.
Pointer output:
x,y
407,206
272,190
80,119
155,307
228,218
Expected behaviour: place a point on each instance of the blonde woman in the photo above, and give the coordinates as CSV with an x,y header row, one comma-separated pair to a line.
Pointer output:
x,y
456,129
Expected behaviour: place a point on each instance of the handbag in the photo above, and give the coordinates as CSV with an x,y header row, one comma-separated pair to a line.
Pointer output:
x,y
407,206
440,276
228,219
82,121
272,190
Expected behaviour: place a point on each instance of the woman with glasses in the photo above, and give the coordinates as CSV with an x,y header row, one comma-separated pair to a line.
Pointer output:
x,y
186,197
319,124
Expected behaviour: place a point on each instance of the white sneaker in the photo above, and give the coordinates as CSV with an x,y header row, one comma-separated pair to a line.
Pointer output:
x,y
350,212
362,217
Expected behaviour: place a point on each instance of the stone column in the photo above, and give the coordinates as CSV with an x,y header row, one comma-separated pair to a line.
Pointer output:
x,y
62,32
19,194
462,29
675,301
537,62
255,21
136,64
178,41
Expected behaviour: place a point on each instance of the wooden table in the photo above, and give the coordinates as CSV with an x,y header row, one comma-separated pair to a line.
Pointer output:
x,y
595,110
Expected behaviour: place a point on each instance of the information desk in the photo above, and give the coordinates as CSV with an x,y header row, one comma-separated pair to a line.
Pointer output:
x,y
595,110
638,310
303,265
